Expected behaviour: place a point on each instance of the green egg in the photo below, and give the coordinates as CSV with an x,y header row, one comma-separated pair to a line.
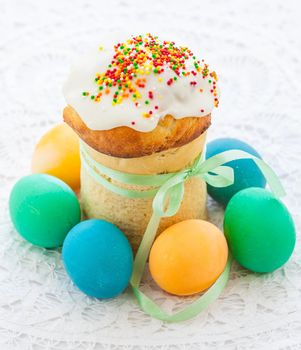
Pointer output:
x,y
43,209
259,229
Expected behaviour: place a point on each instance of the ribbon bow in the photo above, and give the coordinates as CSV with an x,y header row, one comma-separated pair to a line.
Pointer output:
x,y
214,173
168,192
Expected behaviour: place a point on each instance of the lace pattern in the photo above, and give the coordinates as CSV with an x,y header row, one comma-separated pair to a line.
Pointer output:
x,y
255,47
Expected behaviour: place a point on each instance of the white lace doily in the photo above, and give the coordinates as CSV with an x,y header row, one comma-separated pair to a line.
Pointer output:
x,y
256,49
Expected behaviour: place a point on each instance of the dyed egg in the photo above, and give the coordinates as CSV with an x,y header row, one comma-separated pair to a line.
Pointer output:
x,y
188,257
43,209
246,172
98,258
57,154
259,230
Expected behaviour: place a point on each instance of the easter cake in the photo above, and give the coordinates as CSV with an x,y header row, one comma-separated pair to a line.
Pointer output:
x,y
140,107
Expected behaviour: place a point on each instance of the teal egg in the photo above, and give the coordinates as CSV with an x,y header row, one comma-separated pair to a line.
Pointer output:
x,y
259,229
43,209
246,172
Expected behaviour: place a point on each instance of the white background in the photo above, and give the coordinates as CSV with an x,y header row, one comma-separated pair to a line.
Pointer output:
x,y
255,47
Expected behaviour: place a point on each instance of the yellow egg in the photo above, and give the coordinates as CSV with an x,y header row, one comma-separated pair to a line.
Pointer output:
x,y
188,257
57,154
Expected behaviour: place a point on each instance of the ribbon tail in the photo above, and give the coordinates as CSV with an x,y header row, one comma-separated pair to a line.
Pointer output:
x,y
144,248
192,310
272,179
171,192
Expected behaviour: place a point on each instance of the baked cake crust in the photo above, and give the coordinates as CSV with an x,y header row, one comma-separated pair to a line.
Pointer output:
x,y
125,142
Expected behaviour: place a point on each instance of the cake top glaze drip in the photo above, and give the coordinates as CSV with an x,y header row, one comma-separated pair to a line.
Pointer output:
x,y
139,81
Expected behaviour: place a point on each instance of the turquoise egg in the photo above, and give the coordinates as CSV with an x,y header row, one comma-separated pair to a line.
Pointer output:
x,y
246,172
43,209
98,258
259,229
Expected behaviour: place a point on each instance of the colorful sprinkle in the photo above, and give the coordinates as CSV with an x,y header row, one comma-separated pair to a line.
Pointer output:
x,y
144,55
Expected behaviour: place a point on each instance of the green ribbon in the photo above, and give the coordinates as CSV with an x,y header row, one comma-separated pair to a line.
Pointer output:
x,y
168,192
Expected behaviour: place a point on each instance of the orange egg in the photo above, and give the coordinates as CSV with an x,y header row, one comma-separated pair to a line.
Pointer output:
x,y
57,154
188,257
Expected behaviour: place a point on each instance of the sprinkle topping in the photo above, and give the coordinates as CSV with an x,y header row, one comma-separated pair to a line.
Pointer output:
x,y
125,76
137,82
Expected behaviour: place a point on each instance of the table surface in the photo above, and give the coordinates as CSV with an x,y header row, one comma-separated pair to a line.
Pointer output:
x,y
255,47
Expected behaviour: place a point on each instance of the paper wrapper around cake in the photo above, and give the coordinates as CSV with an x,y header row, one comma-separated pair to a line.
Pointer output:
x,y
172,146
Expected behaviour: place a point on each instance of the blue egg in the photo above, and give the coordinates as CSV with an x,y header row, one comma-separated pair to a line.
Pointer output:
x,y
246,172
98,258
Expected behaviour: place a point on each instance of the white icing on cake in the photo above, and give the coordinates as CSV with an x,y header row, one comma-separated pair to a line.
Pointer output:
x,y
180,99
